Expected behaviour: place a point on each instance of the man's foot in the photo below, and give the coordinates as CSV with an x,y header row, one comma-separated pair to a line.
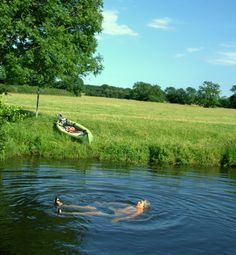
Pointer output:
x,y
57,202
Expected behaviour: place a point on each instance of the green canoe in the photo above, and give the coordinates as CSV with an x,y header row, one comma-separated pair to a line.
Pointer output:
x,y
74,130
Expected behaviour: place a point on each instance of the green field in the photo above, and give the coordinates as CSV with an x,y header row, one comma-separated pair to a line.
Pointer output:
x,y
126,131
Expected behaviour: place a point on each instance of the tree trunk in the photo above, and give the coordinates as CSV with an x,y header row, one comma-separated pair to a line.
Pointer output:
x,y
37,104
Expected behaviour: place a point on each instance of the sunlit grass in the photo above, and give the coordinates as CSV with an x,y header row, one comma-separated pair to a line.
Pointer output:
x,y
125,130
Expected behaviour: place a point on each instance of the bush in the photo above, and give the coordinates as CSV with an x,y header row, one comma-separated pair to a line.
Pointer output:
x,y
3,137
8,114
11,113
26,89
229,157
170,154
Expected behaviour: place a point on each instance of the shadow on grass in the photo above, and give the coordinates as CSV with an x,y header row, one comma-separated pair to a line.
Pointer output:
x,y
27,113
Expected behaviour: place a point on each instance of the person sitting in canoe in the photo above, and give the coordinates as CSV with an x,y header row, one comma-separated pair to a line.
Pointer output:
x,y
66,124
62,119
120,214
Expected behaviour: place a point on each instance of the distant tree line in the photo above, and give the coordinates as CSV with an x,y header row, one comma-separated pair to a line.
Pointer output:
x,y
207,95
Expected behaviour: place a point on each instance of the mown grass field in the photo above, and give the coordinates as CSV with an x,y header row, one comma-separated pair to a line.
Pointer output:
x,y
126,131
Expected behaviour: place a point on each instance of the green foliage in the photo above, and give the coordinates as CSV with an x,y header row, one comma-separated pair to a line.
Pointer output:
x,y
123,152
146,92
191,95
74,85
177,96
125,131
232,101
225,102
173,154
42,41
233,89
107,91
35,145
229,156
170,94
2,74
3,89
10,113
209,94
26,89
141,91
3,135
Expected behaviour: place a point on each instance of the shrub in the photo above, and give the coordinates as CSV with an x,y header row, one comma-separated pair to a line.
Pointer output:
x,y
172,154
26,89
3,136
8,114
229,156
11,113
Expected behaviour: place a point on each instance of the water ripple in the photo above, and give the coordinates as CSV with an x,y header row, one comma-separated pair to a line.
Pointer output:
x,y
188,206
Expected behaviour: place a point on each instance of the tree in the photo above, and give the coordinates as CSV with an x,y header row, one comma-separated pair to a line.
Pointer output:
x,y
209,94
41,41
191,95
177,96
232,99
72,84
156,94
224,102
141,91
233,89
170,93
146,92
2,75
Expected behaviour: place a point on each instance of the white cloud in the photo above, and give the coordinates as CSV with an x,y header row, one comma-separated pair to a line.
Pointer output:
x,y
111,27
228,45
225,58
192,50
187,51
162,23
180,55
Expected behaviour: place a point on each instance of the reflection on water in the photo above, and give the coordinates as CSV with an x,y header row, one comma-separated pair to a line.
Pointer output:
x,y
193,211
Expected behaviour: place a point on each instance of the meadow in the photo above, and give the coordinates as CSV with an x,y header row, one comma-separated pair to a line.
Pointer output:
x,y
125,131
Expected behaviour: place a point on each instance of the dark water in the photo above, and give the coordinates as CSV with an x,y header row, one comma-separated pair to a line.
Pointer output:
x,y
193,211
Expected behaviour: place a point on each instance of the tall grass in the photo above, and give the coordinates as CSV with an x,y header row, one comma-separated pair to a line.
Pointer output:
x,y
126,131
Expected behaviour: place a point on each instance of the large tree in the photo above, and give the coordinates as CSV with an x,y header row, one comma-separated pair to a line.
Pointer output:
x,y
44,40
233,89
209,94
191,94
146,92
141,91
232,99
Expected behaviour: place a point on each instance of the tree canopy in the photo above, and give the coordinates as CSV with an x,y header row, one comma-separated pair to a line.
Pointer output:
x,y
147,92
233,89
209,94
44,40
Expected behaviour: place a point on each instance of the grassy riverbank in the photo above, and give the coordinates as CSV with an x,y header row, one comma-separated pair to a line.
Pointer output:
x,y
126,131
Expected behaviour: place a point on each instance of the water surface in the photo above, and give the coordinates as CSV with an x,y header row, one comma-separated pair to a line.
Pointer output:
x,y
193,211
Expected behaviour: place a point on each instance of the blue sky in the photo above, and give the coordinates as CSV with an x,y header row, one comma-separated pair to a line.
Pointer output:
x,y
176,43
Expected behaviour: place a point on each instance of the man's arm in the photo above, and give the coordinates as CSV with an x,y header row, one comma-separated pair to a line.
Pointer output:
x,y
127,217
80,207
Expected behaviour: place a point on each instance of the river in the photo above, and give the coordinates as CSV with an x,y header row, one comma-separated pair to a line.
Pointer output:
x,y
193,210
